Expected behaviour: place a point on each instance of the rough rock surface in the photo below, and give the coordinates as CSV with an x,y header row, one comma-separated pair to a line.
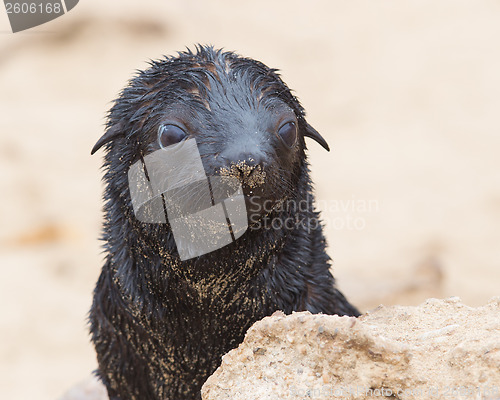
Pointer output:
x,y
441,349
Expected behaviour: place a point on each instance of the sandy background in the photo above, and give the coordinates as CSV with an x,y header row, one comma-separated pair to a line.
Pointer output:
x,y
406,93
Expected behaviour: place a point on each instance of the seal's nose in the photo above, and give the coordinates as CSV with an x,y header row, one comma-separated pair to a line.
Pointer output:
x,y
248,169
245,166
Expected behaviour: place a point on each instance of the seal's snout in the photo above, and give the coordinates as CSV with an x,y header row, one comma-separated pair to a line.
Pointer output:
x,y
248,170
246,164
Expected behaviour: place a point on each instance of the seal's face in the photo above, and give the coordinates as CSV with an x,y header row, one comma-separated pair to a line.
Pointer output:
x,y
246,123
254,140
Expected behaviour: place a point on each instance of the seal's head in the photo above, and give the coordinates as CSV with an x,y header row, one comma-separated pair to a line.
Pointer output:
x,y
245,120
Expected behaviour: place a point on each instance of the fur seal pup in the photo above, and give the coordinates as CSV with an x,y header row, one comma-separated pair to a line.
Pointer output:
x,y
160,324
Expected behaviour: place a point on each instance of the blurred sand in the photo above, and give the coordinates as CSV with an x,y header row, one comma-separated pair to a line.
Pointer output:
x,y
406,93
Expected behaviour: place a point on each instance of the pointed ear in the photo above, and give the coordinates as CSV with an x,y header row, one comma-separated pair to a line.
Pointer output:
x,y
112,133
314,134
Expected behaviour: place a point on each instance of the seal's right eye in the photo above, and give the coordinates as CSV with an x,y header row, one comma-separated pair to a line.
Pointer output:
x,y
170,134
288,133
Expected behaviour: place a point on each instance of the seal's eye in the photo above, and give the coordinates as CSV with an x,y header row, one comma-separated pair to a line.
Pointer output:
x,y
170,134
288,133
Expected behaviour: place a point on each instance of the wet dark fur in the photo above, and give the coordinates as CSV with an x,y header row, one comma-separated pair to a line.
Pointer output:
x,y
160,326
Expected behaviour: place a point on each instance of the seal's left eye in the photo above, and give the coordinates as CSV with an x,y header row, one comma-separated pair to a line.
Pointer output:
x,y
288,133
170,134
